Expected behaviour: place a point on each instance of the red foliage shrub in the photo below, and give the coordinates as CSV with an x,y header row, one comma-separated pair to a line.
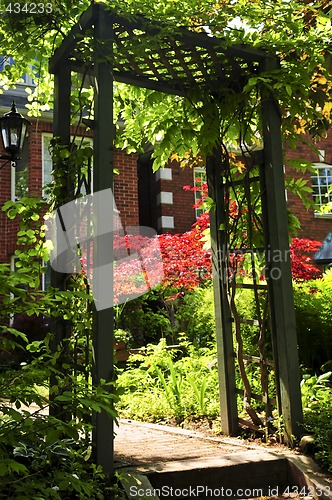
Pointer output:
x,y
301,251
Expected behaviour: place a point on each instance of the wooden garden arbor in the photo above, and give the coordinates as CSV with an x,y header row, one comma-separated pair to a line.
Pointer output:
x,y
141,52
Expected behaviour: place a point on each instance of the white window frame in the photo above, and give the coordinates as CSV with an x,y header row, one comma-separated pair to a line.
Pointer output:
x,y
323,199
47,265
197,172
46,157
13,173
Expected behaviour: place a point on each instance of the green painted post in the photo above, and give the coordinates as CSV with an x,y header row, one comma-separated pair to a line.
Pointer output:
x,y
224,328
61,111
103,143
61,129
279,273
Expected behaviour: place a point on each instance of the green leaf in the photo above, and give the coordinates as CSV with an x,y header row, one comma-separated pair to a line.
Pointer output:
x,y
64,154
3,469
17,333
64,397
72,432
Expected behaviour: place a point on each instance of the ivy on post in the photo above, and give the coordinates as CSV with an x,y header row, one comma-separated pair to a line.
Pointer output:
x,y
279,275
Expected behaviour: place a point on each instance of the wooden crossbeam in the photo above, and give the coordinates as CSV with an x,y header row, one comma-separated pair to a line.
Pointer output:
x,y
250,286
251,322
256,359
240,182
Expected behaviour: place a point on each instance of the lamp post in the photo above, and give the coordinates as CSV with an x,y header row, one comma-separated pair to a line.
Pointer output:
x,y
13,127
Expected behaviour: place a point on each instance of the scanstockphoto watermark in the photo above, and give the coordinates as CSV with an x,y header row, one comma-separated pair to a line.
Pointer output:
x,y
198,491
204,491
262,255
86,235
268,264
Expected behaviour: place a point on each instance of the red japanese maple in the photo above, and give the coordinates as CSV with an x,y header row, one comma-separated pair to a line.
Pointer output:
x,y
301,251
187,263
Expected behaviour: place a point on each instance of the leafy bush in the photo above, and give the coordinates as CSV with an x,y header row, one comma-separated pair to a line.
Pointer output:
x,y
317,409
194,314
34,328
156,316
163,384
121,335
313,308
147,319
42,455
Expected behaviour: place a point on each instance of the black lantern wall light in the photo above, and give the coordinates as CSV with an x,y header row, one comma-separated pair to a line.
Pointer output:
x,y
13,127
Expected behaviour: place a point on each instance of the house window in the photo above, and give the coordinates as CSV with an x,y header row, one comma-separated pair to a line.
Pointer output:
x,y
200,181
47,160
19,175
46,276
321,181
5,61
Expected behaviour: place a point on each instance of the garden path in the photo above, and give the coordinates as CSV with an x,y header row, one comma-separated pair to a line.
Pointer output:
x,y
138,443
177,458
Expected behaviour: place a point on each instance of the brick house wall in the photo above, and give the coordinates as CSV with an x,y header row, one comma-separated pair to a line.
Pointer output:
x,y
8,229
312,226
126,187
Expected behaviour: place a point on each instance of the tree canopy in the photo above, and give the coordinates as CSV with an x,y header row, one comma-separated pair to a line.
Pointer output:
x,y
297,31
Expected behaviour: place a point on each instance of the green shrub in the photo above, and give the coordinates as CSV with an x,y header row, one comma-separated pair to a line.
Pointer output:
x,y
317,413
313,309
164,385
194,314
156,316
43,456
147,319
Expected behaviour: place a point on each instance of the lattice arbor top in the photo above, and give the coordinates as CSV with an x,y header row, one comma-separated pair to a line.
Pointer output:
x,y
147,54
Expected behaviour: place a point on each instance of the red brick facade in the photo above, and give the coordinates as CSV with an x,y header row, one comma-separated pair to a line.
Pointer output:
x,y
8,230
182,208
